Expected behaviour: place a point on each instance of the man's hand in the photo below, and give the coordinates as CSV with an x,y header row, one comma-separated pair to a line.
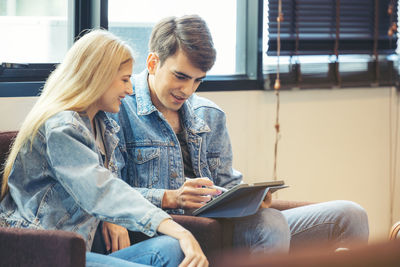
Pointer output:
x,y
267,201
193,194
116,237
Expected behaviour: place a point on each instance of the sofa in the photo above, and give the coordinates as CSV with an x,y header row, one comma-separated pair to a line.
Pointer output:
x,y
214,235
25,247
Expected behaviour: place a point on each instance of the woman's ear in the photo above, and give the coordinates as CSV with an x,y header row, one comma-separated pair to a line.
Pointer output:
x,y
152,62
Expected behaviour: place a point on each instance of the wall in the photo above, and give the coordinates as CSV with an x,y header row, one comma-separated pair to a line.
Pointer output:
x,y
335,144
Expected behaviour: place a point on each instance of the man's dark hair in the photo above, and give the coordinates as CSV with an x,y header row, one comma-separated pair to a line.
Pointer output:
x,y
188,33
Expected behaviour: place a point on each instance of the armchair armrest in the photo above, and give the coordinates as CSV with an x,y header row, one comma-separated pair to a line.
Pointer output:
x,y
213,235
395,231
44,248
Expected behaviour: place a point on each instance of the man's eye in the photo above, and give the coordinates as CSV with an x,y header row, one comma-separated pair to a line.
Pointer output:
x,y
180,77
125,81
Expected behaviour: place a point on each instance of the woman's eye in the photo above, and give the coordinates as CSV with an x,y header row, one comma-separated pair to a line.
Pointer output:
x,y
181,77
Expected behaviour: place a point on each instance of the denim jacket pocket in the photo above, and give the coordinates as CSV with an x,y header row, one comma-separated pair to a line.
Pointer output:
x,y
213,162
145,171
10,219
5,218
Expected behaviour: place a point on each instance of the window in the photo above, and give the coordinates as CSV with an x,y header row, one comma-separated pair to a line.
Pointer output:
x,y
33,32
133,20
328,43
35,36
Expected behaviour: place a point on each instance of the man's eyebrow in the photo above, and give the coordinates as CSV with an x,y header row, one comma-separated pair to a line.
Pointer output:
x,y
187,76
182,74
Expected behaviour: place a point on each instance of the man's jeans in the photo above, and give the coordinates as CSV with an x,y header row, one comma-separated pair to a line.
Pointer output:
x,y
157,251
270,230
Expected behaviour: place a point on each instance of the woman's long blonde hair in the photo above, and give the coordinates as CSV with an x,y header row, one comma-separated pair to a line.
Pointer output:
x,y
87,71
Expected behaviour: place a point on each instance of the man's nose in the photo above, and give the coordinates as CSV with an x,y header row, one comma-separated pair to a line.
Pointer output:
x,y
189,88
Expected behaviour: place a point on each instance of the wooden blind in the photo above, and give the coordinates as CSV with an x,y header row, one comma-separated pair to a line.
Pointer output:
x,y
316,27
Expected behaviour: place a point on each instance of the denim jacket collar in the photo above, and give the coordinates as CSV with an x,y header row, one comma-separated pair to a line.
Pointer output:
x,y
141,89
190,120
111,126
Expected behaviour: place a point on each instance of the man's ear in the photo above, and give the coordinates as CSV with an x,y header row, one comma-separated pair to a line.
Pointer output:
x,y
152,62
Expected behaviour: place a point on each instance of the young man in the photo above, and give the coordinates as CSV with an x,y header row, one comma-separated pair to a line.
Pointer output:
x,y
169,134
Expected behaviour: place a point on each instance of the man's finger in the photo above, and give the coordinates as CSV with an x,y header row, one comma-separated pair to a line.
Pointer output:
x,y
199,182
203,191
194,202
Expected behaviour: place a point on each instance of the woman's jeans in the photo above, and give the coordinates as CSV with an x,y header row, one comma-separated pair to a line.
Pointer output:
x,y
156,251
270,230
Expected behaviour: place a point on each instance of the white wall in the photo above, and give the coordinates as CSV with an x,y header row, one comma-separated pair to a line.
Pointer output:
x,y
335,144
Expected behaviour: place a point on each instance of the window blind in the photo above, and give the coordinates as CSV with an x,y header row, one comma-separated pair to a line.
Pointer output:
x,y
316,27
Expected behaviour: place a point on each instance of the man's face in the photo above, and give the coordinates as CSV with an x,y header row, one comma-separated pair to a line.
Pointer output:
x,y
174,82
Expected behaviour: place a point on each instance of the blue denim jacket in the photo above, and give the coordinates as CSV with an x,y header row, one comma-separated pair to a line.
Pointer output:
x,y
152,151
62,184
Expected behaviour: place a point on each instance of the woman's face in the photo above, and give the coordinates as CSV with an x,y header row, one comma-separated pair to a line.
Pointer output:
x,y
121,86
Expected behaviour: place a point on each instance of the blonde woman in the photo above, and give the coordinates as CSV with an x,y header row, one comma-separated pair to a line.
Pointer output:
x,y
61,172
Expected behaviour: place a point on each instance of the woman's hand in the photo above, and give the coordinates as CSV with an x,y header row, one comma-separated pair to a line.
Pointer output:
x,y
194,256
116,237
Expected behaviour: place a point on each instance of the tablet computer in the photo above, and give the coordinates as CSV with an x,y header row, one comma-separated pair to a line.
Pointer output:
x,y
241,200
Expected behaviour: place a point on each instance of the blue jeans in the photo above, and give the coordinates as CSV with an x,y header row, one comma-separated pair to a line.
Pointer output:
x,y
270,230
156,251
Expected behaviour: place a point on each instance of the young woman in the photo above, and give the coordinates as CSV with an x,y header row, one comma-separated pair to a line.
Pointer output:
x,y
61,172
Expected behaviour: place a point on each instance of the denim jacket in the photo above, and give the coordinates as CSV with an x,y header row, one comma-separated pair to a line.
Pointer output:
x,y
151,149
61,182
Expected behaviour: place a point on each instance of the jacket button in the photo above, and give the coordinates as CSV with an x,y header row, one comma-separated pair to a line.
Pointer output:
x,y
172,143
174,175
139,156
